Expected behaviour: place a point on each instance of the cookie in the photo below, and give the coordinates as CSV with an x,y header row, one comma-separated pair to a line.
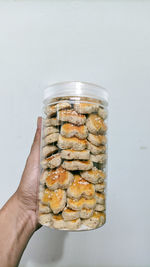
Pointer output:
x,y
51,122
101,158
75,154
102,113
72,142
86,108
96,149
97,219
95,124
43,176
77,165
100,198
51,110
79,204
71,130
99,207
51,138
51,162
93,176
55,199
69,214
71,116
49,150
59,223
80,188
44,208
97,140
45,219
100,187
59,178
49,130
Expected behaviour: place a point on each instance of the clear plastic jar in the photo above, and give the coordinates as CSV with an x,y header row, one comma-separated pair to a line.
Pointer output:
x,y
72,191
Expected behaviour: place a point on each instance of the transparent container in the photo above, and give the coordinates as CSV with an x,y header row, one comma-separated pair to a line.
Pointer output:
x,y
72,190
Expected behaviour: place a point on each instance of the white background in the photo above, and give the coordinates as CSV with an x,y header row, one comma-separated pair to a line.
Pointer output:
x,y
106,42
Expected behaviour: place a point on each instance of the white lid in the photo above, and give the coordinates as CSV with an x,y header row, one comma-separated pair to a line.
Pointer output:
x,y
76,88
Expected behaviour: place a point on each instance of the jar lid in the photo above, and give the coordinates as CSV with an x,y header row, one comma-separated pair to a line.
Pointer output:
x,y
76,88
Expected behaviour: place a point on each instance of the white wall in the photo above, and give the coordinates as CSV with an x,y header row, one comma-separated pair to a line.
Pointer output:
x,y
106,42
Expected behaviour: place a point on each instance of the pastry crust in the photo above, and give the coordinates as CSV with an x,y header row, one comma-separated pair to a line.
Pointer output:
x,y
44,208
51,138
96,220
100,187
49,130
101,158
51,110
59,223
45,219
79,204
51,122
100,198
49,150
102,113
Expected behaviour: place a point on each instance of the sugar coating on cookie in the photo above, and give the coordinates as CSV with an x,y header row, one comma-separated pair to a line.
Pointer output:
x,y
59,178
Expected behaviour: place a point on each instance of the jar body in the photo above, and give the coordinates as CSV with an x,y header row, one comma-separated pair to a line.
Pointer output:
x,y
72,190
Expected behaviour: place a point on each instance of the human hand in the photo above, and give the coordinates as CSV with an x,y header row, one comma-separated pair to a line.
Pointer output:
x,y
27,192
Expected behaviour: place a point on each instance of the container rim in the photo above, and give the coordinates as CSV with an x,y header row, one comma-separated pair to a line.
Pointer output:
x,y
75,88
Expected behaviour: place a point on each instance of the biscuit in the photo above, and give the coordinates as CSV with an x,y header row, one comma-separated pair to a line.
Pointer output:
x,y
96,149
71,130
93,176
70,115
75,154
80,188
72,142
77,165
48,150
97,219
44,208
51,110
49,130
102,113
59,223
101,158
69,214
51,162
45,219
97,140
100,187
95,124
86,108
55,199
86,213
43,176
100,198
99,207
51,122
80,204
59,178
51,138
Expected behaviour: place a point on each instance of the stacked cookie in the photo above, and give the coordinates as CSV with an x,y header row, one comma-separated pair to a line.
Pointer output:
x,y
71,194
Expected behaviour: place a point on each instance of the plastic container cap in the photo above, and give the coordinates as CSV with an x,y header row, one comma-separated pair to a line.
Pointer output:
x,y
76,88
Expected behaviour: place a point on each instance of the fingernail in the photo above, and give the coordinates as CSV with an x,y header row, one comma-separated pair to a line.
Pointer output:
x,y
39,122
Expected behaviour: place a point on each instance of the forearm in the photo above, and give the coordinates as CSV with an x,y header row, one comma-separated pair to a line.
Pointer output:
x,y
16,228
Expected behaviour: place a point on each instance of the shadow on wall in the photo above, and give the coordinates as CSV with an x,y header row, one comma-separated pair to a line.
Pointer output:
x,y
46,246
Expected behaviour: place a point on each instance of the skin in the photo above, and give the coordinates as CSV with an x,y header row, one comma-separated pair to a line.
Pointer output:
x,y
18,217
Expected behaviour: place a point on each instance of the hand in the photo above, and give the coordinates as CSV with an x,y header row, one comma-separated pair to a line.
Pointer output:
x,y
27,192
